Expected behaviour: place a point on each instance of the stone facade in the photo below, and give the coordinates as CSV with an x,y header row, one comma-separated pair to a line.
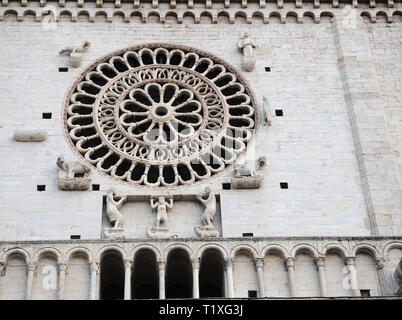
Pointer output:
x,y
330,193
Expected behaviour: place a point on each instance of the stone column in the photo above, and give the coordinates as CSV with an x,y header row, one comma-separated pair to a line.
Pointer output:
x,y
229,275
92,287
350,263
196,271
30,279
161,264
380,262
127,279
320,262
259,265
290,264
62,279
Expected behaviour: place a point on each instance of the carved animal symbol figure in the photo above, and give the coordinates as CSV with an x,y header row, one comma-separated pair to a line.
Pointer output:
x,y
74,49
72,168
112,209
161,210
209,201
247,45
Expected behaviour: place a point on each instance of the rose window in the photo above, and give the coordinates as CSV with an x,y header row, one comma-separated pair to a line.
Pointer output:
x,y
160,115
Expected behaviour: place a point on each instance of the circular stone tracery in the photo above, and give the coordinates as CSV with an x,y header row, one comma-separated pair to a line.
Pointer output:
x,y
160,115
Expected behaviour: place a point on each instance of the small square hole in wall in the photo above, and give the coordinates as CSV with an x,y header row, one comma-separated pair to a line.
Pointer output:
x,y
267,69
252,293
284,185
63,69
226,186
95,187
279,113
46,115
248,234
365,293
41,187
75,237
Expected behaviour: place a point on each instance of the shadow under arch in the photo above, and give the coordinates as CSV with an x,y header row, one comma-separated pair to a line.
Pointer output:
x,y
179,280
211,278
145,275
111,275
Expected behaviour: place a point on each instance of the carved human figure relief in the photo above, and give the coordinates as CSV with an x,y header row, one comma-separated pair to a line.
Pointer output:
x,y
247,45
112,209
75,53
208,200
115,218
161,210
161,228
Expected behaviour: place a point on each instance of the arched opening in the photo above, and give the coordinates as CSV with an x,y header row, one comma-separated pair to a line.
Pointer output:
x,y
307,282
47,277
179,280
276,278
145,276
367,276
77,277
111,276
13,283
211,276
334,273
244,274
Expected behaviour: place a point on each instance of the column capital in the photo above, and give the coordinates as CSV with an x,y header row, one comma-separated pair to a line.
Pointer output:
x,y
196,263
320,262
350,261
290,262
31,266
229,262
127,263
94,266
62,266
161,264
380,261
259,262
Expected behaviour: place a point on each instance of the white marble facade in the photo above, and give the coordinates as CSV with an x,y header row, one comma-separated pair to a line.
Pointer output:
x,y
332,75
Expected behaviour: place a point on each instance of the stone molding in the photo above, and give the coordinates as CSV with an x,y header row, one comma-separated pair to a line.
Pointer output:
x,y
285,14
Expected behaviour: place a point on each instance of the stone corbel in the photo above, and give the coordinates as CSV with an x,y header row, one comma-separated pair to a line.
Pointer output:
x,y
73,175
24,3
244,3
136,4
316,3
173,4
155,3
190,4
280,4
372,4
62,3
99,3
80,3
30,135
299,4
4,3
262,4
42,3
227,3
390,3
248,178
117,3
208,4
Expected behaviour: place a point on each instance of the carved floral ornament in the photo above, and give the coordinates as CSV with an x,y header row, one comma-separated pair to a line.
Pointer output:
x,y
160,115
